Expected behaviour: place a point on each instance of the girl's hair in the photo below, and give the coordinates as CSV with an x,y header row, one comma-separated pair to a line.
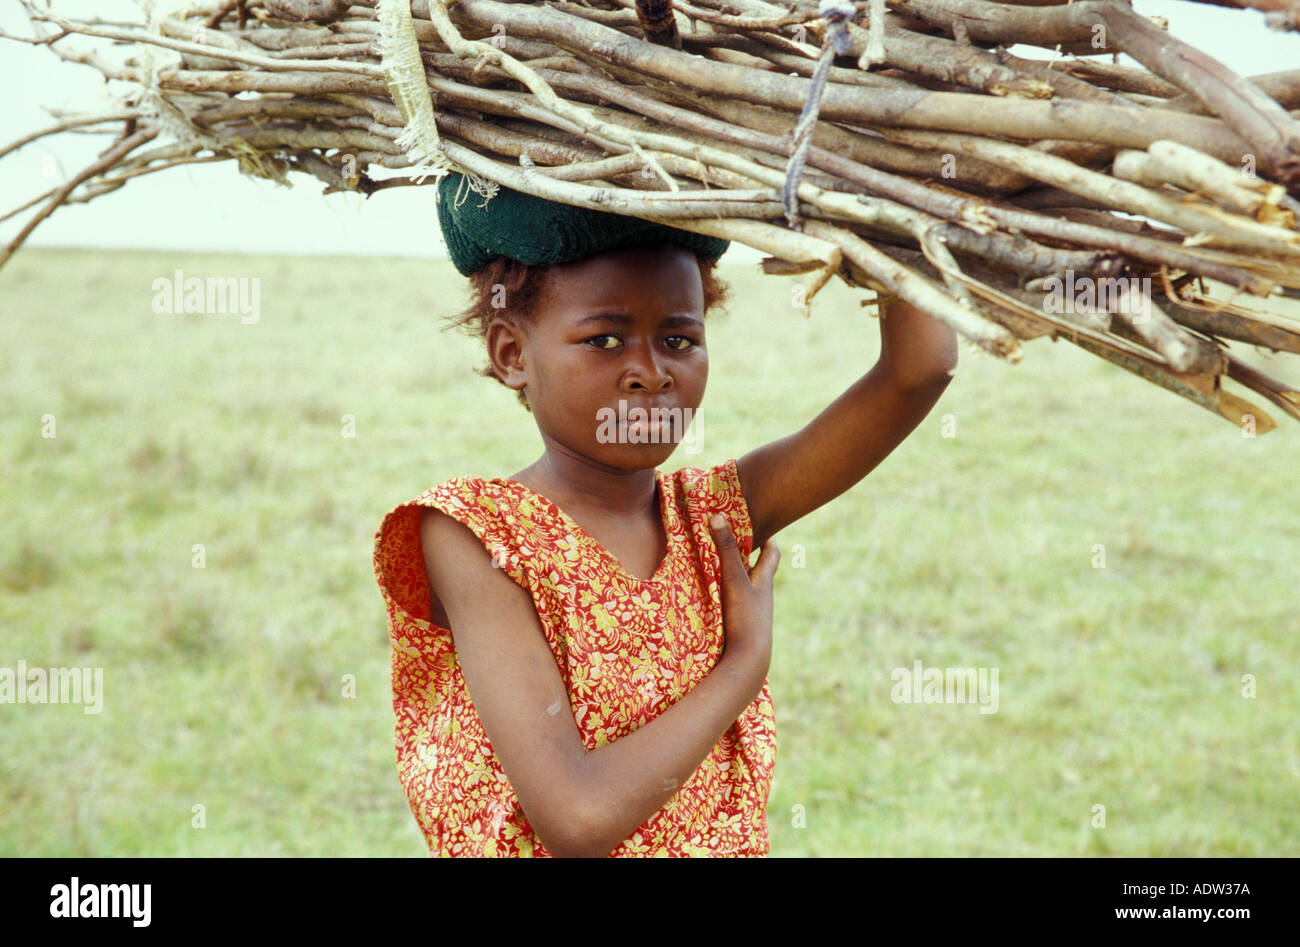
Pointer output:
x,y
508,290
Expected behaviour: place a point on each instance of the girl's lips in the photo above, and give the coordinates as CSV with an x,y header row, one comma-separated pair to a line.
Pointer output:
x,y
646,426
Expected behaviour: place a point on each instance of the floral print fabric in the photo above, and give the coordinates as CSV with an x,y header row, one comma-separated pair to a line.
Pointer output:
x,y
626,648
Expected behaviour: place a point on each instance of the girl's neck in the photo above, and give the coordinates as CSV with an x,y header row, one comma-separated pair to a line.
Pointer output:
x,y
577,483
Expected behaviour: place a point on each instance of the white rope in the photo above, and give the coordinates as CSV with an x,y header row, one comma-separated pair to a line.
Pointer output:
x,y
153,103
404,72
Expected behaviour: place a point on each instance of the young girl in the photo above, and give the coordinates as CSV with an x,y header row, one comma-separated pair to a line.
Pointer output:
x,y
580,650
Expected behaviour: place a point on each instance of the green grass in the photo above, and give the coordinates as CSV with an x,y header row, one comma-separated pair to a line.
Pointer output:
x,y
1119,686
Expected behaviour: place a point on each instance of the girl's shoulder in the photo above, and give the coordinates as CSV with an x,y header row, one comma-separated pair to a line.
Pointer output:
x,y
699,492
719,484
480,504
453,487
473,501
493,508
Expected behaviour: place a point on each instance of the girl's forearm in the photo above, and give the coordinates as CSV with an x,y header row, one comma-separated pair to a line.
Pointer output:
x,y
627,781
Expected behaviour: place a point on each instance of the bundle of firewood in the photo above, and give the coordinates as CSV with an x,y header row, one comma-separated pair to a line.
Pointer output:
x,y
897,144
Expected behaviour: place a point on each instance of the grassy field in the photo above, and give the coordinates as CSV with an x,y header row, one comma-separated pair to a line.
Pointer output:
x,y
1120,686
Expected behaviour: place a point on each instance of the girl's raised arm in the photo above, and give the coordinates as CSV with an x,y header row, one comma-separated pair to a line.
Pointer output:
x,y
580,802
786,479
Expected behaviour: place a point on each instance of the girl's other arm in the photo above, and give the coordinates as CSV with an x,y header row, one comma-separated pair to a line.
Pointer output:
x,y
579,802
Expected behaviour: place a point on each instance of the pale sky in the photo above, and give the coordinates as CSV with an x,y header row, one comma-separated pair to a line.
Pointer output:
x,y
214,207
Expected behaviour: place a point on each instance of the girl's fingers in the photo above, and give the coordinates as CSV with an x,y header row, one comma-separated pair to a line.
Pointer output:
x,y
725,541
768,560
732,563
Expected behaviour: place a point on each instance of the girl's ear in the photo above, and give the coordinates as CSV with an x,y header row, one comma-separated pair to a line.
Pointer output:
x,y
505,345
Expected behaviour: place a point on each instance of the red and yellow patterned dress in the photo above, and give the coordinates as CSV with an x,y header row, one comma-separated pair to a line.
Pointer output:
x,y
627,650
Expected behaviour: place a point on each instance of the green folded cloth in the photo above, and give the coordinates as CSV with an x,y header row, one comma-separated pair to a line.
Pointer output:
x,y
537,231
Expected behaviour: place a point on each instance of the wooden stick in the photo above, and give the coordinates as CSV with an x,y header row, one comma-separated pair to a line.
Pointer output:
x,y
105,161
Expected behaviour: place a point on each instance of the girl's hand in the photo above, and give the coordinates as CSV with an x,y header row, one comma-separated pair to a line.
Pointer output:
x,y
746,599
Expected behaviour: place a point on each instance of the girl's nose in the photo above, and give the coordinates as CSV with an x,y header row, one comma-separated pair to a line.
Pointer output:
x,y
647,371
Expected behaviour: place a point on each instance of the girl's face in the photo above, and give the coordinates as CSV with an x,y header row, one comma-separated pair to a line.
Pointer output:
x,y
626,325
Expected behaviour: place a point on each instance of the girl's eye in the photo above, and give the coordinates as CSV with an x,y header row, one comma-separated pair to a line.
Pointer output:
x,y
597,339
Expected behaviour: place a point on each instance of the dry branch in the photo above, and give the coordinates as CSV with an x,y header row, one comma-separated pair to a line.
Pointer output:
x,y
905,151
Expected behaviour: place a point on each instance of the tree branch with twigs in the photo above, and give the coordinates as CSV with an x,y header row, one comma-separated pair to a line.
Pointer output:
x,y
897,145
